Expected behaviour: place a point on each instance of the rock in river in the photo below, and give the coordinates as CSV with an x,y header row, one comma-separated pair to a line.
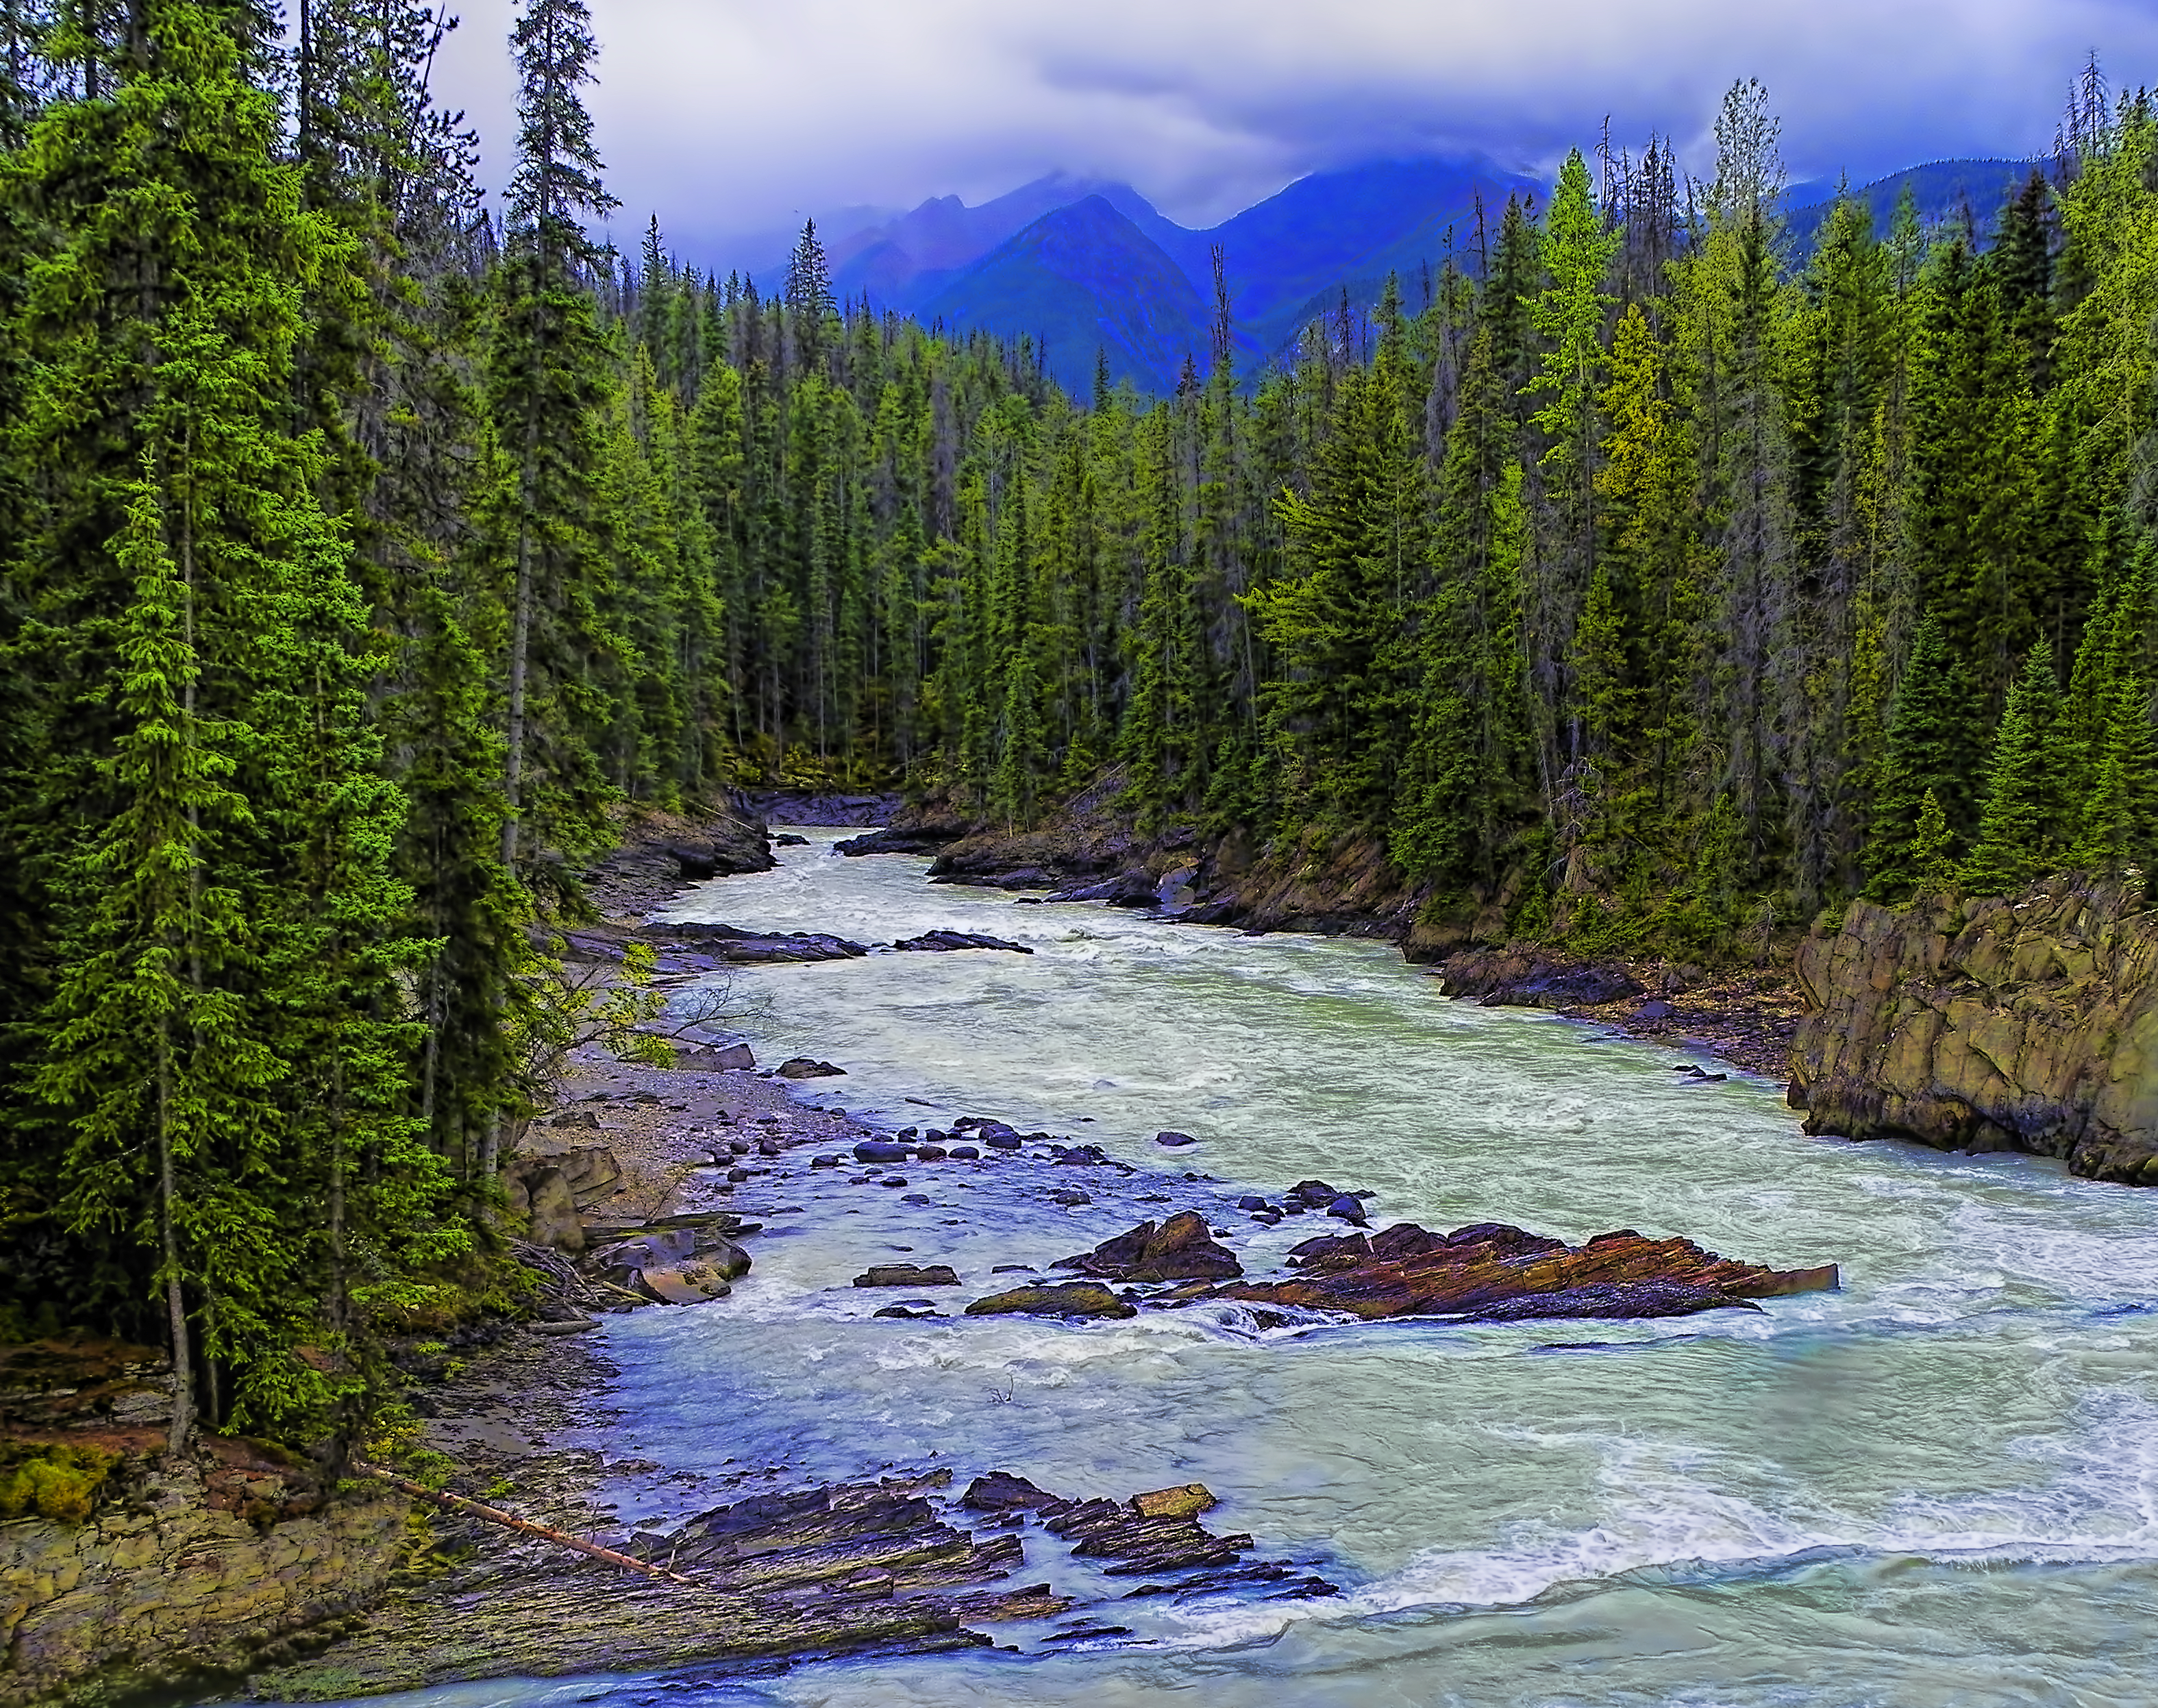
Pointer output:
x,y
907,1275
1407,1271
804,1067
1174,1140
1178,1249
878,1150
1070,1298
944,942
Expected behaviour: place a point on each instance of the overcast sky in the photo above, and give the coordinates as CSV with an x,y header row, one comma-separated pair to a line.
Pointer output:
x,y
728,117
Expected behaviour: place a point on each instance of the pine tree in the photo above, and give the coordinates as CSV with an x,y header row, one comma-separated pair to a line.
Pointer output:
x,y
547,378
2021,831
1924,759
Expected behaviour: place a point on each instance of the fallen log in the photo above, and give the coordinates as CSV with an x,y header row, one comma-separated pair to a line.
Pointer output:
x,y
508,1521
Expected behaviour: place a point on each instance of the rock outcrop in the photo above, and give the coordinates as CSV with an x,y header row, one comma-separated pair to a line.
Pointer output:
x,y
2026,1024
1486,1271
166,1588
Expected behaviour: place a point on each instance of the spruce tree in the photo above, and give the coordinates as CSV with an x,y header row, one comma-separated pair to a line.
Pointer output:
x,y
547,374
1924,759
2020,829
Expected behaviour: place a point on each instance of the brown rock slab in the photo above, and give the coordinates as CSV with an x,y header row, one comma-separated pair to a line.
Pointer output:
x,y
1180,1249
907,1275
1408,1271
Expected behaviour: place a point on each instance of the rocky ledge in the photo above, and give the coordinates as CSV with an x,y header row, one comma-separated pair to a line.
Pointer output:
x,y
658,851
2025,1024
1486,1272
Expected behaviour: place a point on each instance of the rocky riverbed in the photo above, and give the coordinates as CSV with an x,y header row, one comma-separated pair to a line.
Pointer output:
x,y
675,1178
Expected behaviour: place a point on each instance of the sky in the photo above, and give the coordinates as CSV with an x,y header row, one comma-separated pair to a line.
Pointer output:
x,y
733,119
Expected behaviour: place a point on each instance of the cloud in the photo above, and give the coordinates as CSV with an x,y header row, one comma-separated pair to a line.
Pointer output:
x,y
729,117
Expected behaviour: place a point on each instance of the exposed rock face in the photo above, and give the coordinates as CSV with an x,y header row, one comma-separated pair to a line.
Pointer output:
x,y
1485,1270
659,850
1178,1249
168,1587
2027,1023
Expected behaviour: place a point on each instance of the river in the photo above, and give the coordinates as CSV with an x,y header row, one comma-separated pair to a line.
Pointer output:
x,y
1936,1486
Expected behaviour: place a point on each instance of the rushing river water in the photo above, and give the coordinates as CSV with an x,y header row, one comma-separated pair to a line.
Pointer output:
x,y
1938,1486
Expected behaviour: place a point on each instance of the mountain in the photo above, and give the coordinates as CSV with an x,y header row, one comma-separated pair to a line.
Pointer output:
x,y
1287,258
1022,265
902,262
1081,278
1942,189
1290,256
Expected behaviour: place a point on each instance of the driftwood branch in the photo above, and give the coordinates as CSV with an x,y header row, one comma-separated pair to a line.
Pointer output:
x,y
560,1539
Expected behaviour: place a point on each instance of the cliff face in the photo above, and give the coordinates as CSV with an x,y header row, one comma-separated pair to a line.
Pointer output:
x,y
168,1588
165,1574
2028,1024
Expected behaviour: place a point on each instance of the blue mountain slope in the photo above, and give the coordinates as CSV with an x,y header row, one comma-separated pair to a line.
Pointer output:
x,y
1081,278
1941,188
1294,250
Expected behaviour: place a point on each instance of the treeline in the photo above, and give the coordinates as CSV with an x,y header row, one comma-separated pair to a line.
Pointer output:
x,y
364,554
1643,582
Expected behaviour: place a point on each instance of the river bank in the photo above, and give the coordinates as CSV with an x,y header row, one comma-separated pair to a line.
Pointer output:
x,y
1089,849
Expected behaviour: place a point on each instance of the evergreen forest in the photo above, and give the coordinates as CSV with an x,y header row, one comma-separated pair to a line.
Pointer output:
x,y
1630,579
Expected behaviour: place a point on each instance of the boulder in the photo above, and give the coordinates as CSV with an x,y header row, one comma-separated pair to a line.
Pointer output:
x,y
1409,1270
879,1150
725,1256
788,839
804,1067
2028,1022
1174,1140
965,1152
1001,1491
1002,1139
1070,1298
1348,1209
692,1284
1187,1500
907,1275
553,1211
727,1057
1178,1249
1519,978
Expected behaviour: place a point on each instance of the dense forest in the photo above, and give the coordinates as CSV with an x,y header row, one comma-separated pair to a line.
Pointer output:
x,y
1630,578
